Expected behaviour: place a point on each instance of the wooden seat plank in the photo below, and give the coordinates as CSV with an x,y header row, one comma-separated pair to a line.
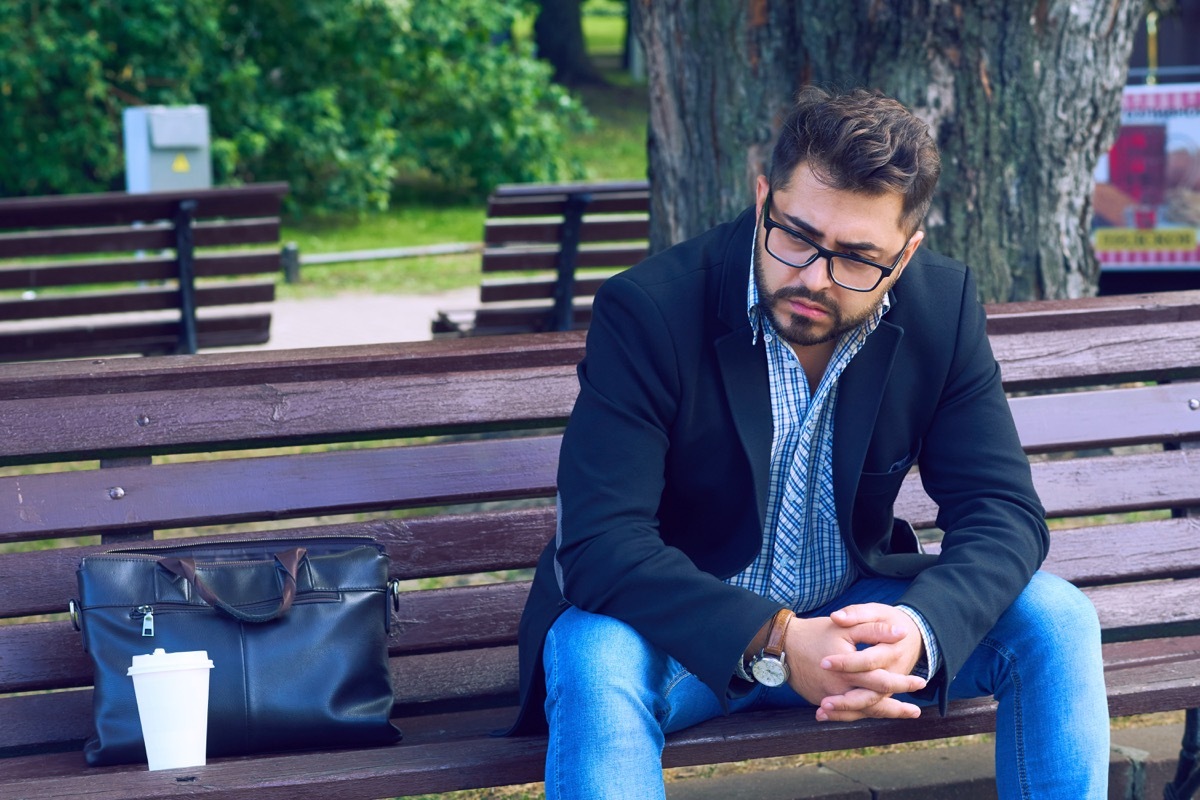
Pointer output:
x,y
222,492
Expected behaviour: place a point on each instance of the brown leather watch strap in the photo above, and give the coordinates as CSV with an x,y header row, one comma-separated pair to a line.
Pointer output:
x,y
779,623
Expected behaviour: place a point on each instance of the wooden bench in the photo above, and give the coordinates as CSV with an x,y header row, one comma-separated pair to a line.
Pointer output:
x,y
144,274
564,240
471,507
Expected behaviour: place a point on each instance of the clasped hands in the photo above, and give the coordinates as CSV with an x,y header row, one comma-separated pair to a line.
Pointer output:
x,y
845,683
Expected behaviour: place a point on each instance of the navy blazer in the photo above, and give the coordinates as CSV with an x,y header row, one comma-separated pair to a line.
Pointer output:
x,y
663,473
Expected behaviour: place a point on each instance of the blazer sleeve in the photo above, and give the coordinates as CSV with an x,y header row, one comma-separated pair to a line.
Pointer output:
x,y
610,557
972,465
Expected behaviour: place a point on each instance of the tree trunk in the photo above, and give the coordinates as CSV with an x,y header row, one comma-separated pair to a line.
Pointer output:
x,y
720,76
1022,96
558,34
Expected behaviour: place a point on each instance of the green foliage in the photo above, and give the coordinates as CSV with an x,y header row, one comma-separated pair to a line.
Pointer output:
x,y
69,66
338,97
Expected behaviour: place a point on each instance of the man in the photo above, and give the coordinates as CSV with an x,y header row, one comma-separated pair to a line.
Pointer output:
x,y
749,405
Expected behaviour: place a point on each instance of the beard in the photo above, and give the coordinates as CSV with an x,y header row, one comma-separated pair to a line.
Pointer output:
x,y
800,330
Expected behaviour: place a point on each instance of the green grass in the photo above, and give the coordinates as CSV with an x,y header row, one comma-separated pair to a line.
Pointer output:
x,y
423,212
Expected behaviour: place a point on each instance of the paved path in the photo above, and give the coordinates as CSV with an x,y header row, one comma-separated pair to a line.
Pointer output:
x,y
360,318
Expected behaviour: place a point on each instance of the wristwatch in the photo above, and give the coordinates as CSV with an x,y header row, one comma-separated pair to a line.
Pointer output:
x,y
769,667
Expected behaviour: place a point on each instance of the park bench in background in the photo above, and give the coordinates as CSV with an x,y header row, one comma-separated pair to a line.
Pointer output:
x,y
564,240
1109,411
145,274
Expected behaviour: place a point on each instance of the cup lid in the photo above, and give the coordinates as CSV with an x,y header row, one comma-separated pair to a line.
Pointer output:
x,y
161,661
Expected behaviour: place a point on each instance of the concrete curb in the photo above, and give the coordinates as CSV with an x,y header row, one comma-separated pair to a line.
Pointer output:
x,y
1141,762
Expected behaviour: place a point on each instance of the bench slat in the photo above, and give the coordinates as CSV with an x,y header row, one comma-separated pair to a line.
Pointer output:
x,y
527,258
207,370
1110,418
132,300
121,208
150,338
150,268
123,239
556,205
1127,353
533,289
216,492
280,413
1092,312
593,229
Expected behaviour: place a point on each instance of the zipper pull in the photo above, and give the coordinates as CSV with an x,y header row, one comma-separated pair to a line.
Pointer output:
x,y
147,613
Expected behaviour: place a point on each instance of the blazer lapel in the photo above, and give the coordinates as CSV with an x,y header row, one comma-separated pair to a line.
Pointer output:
x,y
860,391
744,375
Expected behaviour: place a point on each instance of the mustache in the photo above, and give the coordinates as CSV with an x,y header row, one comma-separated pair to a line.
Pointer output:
x,y
820,299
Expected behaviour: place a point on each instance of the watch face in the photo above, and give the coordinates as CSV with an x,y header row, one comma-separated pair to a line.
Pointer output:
x,y
769,671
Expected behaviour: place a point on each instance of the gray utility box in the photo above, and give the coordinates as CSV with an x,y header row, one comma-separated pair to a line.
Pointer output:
x,y
166,148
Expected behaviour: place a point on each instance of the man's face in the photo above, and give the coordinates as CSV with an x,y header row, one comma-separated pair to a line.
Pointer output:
x,y
805,305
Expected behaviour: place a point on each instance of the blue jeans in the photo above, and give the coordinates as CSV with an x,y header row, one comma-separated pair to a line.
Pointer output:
x,y
612,697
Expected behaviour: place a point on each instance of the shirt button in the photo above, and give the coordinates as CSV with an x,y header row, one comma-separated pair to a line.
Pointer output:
x,y
768,337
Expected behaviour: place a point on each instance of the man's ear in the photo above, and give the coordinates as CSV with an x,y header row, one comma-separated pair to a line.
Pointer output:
x,y
909,250
761,188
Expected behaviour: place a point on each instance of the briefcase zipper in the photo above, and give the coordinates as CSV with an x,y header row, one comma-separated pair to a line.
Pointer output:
x,y
146,613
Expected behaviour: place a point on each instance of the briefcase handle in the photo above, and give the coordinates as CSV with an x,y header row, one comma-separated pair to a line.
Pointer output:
x,y
287,562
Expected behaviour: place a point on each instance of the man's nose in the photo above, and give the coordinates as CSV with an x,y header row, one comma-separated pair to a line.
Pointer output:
x,y
816,276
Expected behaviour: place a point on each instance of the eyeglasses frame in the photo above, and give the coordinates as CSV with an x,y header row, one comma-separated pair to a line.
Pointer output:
x,y
828,255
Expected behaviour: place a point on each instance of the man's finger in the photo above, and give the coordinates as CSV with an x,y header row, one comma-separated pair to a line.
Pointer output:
x,y
882,680
874,633
887,708
861,613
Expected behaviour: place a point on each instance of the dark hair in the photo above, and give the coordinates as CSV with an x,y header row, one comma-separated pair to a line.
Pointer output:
x,y
860,141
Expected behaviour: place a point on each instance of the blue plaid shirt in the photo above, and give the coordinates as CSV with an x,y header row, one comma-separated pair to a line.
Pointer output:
x,y
804,563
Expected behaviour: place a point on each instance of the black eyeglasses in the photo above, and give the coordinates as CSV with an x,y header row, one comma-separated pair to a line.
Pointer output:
x,y
849,271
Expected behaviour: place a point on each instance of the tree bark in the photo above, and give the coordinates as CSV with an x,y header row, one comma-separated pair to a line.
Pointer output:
x,y
1022,96
558,34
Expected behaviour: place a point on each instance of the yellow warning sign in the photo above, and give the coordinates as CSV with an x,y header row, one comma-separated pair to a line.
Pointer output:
x,y
1149,239
180,164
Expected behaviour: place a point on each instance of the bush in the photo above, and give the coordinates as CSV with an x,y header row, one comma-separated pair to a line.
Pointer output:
x,y
337,97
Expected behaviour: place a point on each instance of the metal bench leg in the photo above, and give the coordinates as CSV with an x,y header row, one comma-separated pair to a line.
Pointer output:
x,y
562,317
1187,776
185,257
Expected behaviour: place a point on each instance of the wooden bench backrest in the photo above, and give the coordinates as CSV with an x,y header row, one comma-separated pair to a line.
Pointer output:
x,y
524,233
99,274
446,452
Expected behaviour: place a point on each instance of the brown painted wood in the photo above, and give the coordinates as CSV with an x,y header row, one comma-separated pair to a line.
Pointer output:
x,y
1089,486
606,202
306,484
24,381
536,289
266,415
1157,351
117,208
133,300
593,229
150,268
148,338
1033,316
527,258
125,239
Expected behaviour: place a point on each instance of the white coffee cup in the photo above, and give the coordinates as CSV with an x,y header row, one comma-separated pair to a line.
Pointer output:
x,y
172,700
